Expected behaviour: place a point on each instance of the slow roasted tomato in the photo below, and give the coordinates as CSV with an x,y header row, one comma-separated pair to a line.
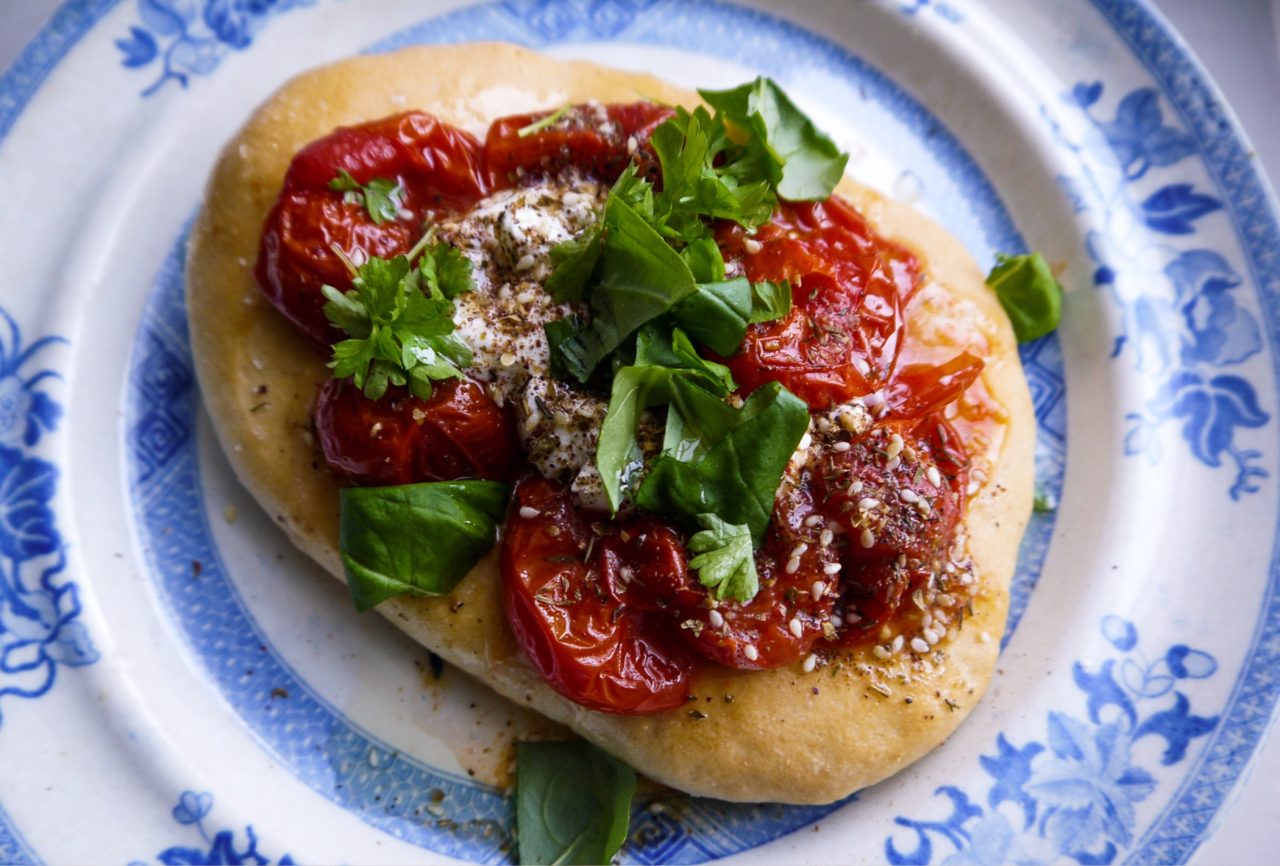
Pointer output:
x,y
598,139
849,287
898,493
438,168
584,640
459,432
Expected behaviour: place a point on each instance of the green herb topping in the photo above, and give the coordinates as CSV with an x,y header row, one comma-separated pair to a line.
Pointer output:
x,y
573,803
381,197
725,560
548,121
1030,295
416,538
400,322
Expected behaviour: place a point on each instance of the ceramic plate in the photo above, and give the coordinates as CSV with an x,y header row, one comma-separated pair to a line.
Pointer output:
x,y
178,685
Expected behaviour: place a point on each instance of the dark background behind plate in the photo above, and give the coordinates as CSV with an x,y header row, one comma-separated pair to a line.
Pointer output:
x,y
1239,43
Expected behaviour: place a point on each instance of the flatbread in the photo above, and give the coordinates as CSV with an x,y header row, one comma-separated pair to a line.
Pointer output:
x,y
780,735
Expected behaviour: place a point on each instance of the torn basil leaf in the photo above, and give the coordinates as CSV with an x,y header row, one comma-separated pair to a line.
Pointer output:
x,y
573,803
724,461
1026,288
802,162
419,539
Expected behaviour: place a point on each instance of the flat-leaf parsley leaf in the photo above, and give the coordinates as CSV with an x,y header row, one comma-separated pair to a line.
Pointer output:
x,y
725,561
381,197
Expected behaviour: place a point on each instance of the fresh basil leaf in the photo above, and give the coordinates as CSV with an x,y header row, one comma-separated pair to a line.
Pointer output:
x,y
705,260
725,561
717,314
419,539
640,279
573,803
566,339
736,457
574,260
1026,288
770,301
663,346
803,163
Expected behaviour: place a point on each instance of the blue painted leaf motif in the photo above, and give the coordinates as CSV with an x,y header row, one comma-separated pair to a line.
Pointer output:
x,y
192,807
72,647
1011,768
1138,137
139,48
178,856
26,521
167,17
193,57
1119,632
951,827
1178,726
1220,331
1103,690
1085,95
1173,209
43,416
1211,410
223,851
1187,663
236,21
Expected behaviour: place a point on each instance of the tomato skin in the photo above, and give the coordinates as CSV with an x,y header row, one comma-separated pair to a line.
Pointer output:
x,y
590,139
438,168
585,642
849,287
459,432
907,540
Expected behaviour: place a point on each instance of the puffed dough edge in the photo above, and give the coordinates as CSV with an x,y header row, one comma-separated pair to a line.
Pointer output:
x,y
784,735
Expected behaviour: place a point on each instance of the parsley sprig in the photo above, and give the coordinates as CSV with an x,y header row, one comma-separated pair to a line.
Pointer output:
x,y
399,321
381,197
725,561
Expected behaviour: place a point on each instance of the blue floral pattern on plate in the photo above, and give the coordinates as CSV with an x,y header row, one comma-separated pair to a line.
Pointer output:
x,y
1073,794
40,625
1190,338
218,849
191,37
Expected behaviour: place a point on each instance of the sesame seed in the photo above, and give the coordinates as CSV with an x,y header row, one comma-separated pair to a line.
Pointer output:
x,y
526,262
507,359
882,689
796,628
895,446
946,600
831,568
805,441
868,503
930,636
818,588
973,487
894,463
855,488
529,513
852,618
868,538
984,637
751,652
841,446
752,246
863,367
836,620
924,507
880,652
810,662
715,618
826,537
632,144
800,550
626,573
793,565
896,646
934,476
919,646
813,520
909,496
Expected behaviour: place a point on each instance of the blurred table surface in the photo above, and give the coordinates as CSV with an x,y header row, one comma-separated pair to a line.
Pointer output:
x,y
1239,43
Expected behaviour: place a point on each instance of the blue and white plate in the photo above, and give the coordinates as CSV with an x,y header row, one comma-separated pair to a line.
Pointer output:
x,y
177,684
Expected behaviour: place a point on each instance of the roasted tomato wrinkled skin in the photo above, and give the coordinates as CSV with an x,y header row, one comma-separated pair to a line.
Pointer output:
x,y
594,139
574,624
439,168
898,516
457,433
849,287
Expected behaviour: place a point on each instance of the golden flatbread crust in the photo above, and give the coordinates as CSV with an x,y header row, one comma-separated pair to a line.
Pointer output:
x,y
784,735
